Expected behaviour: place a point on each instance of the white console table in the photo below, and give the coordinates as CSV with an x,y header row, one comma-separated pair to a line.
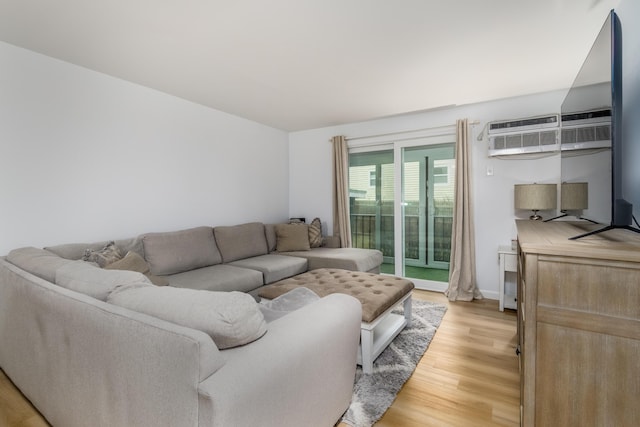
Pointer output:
x,y
508,263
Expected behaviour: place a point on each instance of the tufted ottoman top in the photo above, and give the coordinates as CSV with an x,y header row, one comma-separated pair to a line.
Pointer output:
x,y
376,292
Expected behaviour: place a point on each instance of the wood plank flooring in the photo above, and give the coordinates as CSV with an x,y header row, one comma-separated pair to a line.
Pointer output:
x,y
467,377
469,374
15,409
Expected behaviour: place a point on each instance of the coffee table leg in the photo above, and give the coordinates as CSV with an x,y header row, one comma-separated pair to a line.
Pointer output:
x,y
366,343
407,311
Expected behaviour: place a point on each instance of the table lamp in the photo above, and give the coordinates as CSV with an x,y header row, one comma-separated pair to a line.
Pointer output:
x,y
574,196
535,197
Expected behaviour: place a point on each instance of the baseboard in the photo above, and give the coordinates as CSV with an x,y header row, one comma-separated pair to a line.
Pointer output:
x,y
490,294
427,285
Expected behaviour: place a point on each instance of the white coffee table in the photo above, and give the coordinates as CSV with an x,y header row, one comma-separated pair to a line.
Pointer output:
x,y
378,334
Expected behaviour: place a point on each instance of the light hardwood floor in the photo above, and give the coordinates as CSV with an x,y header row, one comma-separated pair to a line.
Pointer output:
x,y
467,377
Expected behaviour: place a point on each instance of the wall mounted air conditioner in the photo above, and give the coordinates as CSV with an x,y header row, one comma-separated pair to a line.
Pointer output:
x,y
586,130
523,136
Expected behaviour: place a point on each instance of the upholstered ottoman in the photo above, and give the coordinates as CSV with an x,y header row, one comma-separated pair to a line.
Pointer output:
x,y
378,294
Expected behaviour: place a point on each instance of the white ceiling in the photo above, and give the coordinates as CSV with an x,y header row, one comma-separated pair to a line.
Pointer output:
x,y
302,64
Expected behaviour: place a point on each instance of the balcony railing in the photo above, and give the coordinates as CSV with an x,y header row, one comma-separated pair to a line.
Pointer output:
x,y
366,234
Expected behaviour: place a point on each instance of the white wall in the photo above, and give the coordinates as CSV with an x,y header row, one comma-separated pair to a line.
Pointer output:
x,y
310,171
310,155
86,157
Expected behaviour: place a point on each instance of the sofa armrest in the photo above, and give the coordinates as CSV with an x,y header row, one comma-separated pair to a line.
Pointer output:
x,y
111,365
300,373
331,242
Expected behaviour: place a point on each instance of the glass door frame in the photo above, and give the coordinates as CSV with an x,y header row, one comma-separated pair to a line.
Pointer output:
x,y
399,205
427,157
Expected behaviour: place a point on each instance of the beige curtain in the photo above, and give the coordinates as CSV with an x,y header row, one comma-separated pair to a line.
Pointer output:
x,y
462,267
341,222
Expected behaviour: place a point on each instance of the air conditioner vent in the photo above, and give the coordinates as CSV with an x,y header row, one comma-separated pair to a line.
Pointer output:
x,y
523,136
523,123
587,115
586,130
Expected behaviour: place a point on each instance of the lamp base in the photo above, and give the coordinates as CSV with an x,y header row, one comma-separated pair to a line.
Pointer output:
x,y
535,216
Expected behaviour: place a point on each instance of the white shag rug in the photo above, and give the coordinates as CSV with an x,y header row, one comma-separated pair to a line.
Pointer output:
x,y
374,393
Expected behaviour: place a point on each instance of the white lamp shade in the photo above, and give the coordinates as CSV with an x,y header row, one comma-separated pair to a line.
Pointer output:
x,y
535,196
574,196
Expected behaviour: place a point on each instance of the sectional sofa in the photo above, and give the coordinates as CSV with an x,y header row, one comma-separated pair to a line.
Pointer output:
x,y
92,336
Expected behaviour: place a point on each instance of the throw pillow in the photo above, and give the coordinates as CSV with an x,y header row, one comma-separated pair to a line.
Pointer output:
x,y
292,237
231,319
132,261
107,255
315,233
286,303
292,300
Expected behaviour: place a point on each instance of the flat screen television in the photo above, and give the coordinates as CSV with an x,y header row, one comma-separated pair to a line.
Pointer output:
x,y
594,152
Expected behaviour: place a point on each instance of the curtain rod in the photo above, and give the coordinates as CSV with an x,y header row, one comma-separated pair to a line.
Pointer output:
x,y
353,138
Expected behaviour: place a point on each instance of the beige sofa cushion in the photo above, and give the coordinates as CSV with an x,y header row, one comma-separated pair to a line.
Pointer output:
x,y
241,241
83,277
230,318
270,234
355,259
37,261
273,267
219,277
178,251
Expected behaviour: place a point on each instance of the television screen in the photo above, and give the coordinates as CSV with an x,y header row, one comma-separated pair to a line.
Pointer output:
x,y
596,160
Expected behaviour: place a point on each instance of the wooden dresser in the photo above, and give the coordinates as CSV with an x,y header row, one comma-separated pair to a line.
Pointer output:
x,y
578,325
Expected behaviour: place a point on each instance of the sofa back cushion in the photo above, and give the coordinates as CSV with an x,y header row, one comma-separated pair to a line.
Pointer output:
x,y
241,241
230,318
83,277
270,234
177,251
37,261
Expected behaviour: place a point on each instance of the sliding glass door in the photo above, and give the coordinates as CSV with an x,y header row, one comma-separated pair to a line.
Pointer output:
x,y
371,196
401,200
427,209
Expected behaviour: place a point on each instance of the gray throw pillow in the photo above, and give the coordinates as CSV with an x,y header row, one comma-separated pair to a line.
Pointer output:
x,y
292,300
